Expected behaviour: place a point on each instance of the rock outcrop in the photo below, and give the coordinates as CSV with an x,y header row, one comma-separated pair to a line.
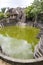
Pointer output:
x,y
15,15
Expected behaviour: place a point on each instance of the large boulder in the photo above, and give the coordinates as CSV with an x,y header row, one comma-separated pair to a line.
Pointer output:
x,y
18,12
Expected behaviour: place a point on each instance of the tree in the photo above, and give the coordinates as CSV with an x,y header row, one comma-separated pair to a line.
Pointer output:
x,y
36,8
35,11
41,1
3,9
28,11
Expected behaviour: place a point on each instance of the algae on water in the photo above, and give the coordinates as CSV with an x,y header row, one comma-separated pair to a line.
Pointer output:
x,y
26,33
18,42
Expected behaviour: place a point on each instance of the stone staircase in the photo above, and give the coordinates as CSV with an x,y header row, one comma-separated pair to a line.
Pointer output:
x,y
38,52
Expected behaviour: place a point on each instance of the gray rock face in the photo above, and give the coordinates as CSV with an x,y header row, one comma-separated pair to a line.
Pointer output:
x,y
16,15
18,12
21,24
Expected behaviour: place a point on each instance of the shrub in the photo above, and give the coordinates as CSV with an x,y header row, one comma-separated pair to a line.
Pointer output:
x,y
1,15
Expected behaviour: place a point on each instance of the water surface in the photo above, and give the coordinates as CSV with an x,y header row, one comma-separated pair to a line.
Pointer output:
x,y
18,42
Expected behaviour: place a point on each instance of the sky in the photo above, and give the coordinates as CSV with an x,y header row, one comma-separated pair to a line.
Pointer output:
x,y
15,3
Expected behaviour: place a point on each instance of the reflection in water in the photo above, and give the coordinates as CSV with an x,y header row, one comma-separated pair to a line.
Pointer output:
x,y
16,48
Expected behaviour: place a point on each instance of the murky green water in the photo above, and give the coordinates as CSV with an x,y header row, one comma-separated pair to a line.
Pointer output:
x,y
18,42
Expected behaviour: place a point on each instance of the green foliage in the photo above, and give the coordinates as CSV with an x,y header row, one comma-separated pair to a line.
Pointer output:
x,y
37,4
26,33
41,1
37,7
28,11
1,15
34,9
3,9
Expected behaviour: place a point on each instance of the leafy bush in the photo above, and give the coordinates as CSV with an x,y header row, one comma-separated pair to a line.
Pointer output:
x,y
28,11
1,15
34,9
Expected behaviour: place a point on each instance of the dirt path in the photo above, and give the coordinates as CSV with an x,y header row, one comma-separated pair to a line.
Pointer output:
x,y
3,62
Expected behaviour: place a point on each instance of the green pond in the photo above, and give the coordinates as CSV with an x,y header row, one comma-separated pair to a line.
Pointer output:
x,y
18,42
